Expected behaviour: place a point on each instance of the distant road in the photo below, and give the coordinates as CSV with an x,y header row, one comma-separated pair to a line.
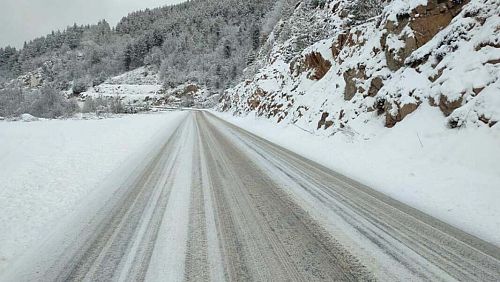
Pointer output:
x,y
218,203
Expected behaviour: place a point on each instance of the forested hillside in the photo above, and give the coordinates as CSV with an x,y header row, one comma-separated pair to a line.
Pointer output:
x,y
208,42
295,58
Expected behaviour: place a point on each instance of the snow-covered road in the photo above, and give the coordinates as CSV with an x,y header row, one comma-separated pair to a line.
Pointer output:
x,y
215,202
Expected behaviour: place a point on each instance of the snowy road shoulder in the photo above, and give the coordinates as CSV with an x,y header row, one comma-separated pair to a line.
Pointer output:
x,y
452,175
50,169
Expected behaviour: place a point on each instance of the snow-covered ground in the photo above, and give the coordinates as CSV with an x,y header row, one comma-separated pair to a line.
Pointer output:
x,y
135,87
142,86
128,93
450,174
51,169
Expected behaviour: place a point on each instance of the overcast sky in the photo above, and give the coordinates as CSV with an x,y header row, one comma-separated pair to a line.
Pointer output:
x,y
22,20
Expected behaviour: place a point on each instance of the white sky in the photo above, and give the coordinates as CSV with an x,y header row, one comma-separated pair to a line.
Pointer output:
x,y
23,20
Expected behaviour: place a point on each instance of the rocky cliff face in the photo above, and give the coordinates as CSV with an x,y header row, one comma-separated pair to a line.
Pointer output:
x,y
440,54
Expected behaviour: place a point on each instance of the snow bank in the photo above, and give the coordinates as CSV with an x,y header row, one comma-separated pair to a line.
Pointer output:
x,y
49,169
28,118
450,174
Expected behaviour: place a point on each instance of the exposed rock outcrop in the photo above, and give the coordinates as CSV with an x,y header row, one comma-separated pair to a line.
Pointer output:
x,y
394,116
318,65
255,99
351,78
447,107
375,84
323,122
413,30
442,54
338,44
427,21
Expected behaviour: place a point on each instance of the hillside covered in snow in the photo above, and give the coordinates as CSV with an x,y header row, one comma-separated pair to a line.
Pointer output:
x,y
202,44
417,54
401,95
142,89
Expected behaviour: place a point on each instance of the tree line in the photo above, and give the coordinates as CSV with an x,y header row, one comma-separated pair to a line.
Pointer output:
x,y
204,41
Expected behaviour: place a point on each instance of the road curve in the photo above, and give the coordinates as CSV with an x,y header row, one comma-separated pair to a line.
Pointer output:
x,y
218,203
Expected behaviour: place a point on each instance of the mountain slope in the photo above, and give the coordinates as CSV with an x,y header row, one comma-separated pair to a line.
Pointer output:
x,y
405,102
201,41
416,54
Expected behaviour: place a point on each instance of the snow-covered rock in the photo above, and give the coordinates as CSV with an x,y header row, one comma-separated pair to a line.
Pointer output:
x,y
28,118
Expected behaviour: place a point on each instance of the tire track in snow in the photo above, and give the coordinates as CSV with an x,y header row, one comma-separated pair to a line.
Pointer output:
x,y
424,247
124,246
197,267
220,204
266,236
